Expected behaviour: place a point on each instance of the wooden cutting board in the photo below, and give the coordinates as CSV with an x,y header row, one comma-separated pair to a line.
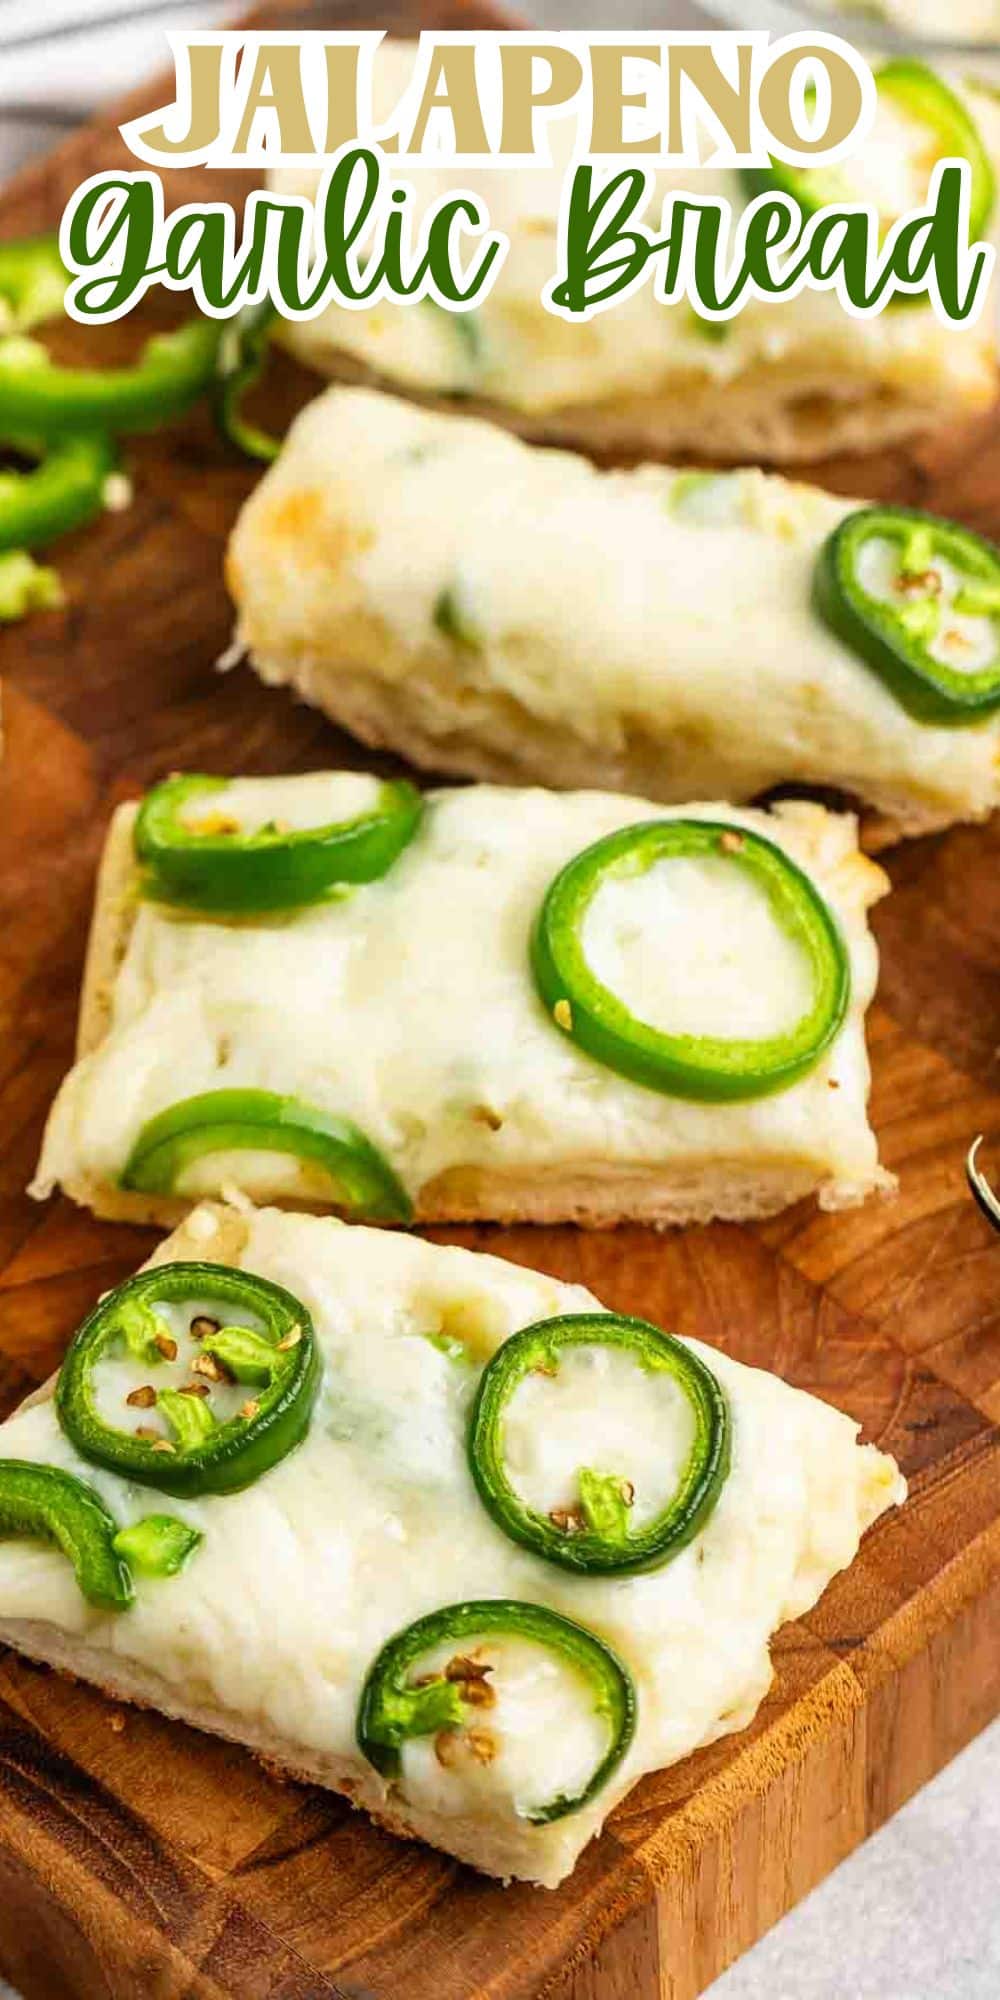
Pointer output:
x,y
141,1859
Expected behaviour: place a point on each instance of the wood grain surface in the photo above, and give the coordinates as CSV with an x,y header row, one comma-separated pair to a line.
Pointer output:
x,y
139,1859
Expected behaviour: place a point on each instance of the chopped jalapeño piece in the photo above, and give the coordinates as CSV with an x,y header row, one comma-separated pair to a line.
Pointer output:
x,y
46,1504
918,599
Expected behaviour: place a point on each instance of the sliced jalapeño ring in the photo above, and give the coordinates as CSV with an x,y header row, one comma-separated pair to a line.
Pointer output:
x,y
397,1704
595,1536
707,1067
44,1503
203,1454
943,129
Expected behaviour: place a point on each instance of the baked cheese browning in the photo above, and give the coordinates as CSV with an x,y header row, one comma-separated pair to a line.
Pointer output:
x,y
790,379
483,606
279,1622
407,1013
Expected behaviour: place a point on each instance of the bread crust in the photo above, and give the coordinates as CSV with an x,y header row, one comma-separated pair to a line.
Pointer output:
x,y
115,902
589,1194
517,747
598,1198
503,1846
779,415
495,1851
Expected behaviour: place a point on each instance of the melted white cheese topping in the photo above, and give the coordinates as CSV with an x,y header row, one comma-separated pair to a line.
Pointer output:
x,y
321,798
118,1372
409,1006
655,606
690,946
374,1521
521,355
964,20
601,1410
965,641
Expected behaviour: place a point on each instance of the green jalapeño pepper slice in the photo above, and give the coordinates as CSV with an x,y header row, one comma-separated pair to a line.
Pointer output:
x,y
223,1121
397,1704
945,131
594,1536
49,1505
63,491
686,1065
198,857
242,354
40,399
33,280
919,600
205,1455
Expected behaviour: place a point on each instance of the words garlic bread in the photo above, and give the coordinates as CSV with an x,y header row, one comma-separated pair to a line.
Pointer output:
x,y
785,379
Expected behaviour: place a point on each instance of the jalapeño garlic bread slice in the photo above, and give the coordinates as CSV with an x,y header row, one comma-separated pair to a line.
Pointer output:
x,y
491,608
547,1006
784,380
360,1604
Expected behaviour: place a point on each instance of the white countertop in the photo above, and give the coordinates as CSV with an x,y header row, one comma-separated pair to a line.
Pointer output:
x,y
912,1915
